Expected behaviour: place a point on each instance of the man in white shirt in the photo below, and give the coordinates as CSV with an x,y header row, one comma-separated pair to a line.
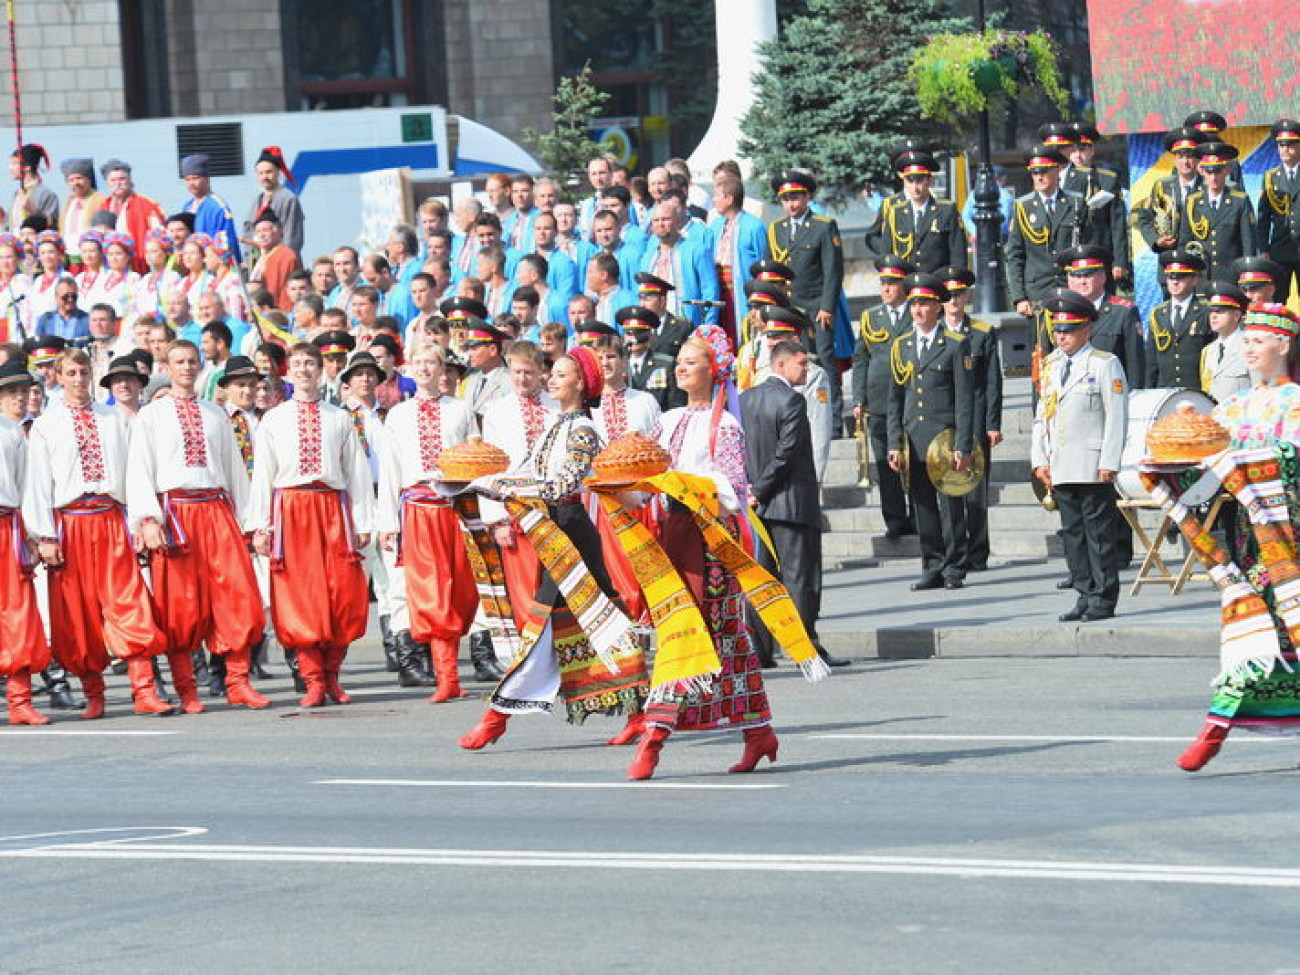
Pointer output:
x,y
186,489
73,505
311,483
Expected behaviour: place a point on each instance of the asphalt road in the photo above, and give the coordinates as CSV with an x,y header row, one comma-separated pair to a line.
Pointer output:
x,y
996,815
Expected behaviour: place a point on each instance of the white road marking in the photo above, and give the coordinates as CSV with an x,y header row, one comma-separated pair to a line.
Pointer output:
x,y
1186,739
527,784
26,732
1152,873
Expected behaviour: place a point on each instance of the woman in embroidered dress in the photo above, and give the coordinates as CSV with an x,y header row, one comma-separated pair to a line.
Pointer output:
x,y
120,281
50,254
224,278
152,289
193,274
90,280
705,440
14,287
1267,416
556,655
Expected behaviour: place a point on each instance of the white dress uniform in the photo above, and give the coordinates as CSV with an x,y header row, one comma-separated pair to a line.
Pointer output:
x,y
626,411
816,392
1223,367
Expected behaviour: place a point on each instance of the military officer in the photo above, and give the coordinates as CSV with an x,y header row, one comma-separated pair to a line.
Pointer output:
x,y
1105,221
932,392
873,378
752,359
1211,125
777,277
648,371
809,243
1158,216
1178,328
1279,219
915,224
667,341
1223,362
1078,436
1118,327
1258,277
1043,222
1218,219
986,383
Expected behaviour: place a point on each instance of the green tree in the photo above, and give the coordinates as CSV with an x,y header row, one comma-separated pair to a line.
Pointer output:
x,y
832,90
567,147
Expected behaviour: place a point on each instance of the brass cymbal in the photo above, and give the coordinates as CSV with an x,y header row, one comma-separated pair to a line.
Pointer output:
x,y
938,464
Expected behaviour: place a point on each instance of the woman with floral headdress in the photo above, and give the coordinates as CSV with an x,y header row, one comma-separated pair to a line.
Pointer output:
x,y
15,309
1258,687
52,261
120,281
93,275
159,281
556,654
193,271
224,279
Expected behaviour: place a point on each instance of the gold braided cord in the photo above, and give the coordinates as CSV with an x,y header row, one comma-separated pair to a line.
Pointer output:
x,y
903,371
1200,229
1036,237
1281,204
906,242
779,253
1163,337
872,335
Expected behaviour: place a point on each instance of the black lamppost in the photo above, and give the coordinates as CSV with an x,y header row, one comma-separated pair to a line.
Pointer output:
x,y
991,296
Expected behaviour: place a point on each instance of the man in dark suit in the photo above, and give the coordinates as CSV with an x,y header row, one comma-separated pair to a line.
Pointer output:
x,y
783,480
1216,217
809,244
933,392
914,224
873,377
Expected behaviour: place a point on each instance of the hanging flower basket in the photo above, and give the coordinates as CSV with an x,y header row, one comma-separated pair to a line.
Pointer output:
x,y
956,75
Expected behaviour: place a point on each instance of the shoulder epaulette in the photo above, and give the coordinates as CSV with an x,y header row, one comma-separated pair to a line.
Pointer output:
x,y
1122,302
822,218
1102,355
1106,171
980,326
1164,304
1240,193
1027,198
955,335
1054,354
1071,194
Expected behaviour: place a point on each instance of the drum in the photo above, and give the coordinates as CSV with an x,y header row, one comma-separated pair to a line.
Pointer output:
x,y
1145,406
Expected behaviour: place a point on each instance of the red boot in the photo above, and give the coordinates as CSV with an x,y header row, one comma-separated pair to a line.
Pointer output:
x,y
647,753
312,668
1204,748
631,731
19,691
332,658
92,685
446,669
140,671
491,727
239,692
181,664
760,743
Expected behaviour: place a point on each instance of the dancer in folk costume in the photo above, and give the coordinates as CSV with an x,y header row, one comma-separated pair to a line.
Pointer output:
x,y
577,641
74,506
23,648
707,441
420,524
1257,571
311,513
187,487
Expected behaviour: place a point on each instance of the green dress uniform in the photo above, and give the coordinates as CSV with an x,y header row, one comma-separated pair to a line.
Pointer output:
x,y
1118,330
1225,231
1106,225
933,391
1172,195
1036,236
938,240
873,379
1174,344
1279,226
986,385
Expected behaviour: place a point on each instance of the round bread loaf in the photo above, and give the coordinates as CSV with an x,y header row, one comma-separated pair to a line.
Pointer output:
x,y
1185,436
631,457
472,459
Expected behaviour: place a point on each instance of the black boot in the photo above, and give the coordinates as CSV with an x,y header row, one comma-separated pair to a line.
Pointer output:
x,y
484,658
409,671
60,691
391,662
202,675
424,658
217,678
257,660
291,658
160,682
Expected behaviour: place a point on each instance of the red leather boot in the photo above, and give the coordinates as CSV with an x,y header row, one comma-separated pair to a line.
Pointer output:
x,y
140,672
760,743
92,685
647,753
312,668
631,731
446,670
239,692
490,727
1204,748
332,660
19,691
181,664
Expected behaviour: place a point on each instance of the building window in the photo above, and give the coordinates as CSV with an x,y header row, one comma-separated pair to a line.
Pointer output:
x,y
354,53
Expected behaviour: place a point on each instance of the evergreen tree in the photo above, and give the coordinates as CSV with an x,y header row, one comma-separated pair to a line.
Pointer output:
x,y
566,148
832,90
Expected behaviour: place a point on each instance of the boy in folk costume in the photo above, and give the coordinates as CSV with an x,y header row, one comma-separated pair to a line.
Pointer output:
x,y
186,487
311,512
73,505
422,526
23,649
